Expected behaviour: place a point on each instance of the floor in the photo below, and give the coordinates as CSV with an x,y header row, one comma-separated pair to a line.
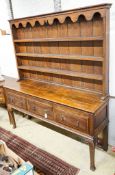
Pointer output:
x,y
60,144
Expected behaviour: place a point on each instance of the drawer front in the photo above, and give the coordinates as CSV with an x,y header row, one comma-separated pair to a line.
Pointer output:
x,y
100,116
72,118
2,98
16,99
1,92
41,108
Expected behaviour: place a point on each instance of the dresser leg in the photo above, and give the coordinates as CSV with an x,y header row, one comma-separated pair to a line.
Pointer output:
x,y
11,117
92,154
29,117
105,139
24,115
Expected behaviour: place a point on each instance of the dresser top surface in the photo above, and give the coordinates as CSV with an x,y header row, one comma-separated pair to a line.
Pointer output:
x,y
73,98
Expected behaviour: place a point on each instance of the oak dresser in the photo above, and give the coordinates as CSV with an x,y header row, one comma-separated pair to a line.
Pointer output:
x,y
62,61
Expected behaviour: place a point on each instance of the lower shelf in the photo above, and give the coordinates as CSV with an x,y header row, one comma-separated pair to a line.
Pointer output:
x,y
62,72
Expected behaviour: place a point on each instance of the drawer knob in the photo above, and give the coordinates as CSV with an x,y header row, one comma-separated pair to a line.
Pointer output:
x,y
46,111
62,118
22,104
46,115
33,108
11,99
77,123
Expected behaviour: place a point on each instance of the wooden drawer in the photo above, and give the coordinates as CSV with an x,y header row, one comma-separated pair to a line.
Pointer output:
x,y
2,98
1,92
72,118
16,99
100,116
41,108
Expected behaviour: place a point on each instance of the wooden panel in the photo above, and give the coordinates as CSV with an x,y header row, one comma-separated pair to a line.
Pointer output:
x,y
20,33
40,107
87,49
75,48
98,46
2,98
16,99
72,118
100,117
1,91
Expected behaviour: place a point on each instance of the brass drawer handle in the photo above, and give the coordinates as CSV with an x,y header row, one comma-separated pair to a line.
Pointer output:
x,y
62,117
11,99
46,110
45,115
33,108
21,104
77,123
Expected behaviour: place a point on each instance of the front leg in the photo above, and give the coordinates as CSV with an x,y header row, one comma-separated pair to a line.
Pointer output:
x,y
11,116
105,139
92,154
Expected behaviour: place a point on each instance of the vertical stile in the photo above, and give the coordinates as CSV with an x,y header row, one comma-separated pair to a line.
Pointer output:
x,y
98,48
75,49
52,32
106,26
87,49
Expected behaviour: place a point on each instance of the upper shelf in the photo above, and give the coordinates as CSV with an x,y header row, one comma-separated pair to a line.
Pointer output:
x,y
61,56
60,39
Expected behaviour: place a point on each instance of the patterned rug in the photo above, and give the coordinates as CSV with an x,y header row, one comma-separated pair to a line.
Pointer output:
x,y
45,163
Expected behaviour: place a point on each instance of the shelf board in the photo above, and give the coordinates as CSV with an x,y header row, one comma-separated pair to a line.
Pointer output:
x,y
61,56
60,39
62,72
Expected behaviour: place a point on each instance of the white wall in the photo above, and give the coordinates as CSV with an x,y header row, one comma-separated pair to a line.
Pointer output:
x,y
7,57
23,8
3,15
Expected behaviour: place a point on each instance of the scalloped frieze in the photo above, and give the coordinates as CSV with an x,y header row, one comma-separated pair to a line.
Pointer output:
x,y
88,15
50,20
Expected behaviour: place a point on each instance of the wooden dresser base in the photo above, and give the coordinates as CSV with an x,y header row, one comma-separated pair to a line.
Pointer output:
x,y
91,141
86,125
